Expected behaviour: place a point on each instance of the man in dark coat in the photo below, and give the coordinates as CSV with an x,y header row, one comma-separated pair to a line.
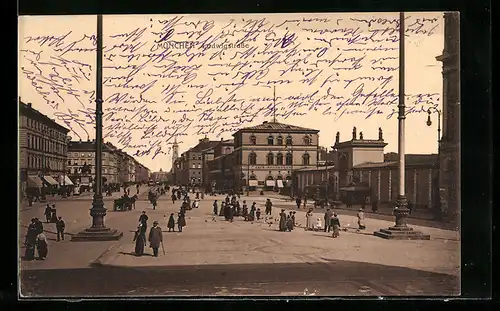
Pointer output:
x,y
30,241
155,238
328,217
298,201
60,226
269,206
181,222
48,213
54,214
216,208
171,223
38,226
143,220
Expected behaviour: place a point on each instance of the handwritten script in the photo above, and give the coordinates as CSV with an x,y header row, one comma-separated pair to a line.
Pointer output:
x,y
180,76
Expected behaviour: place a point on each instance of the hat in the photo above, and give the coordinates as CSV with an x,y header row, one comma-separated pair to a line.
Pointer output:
x,y
155,222
360,209
334,214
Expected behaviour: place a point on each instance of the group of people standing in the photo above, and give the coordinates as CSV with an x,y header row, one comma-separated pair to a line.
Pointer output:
x,y
287,222
231,208
155,237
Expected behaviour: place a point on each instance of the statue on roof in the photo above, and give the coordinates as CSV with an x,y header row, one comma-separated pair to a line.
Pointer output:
x,y
337,138
361,135
354,133
380,134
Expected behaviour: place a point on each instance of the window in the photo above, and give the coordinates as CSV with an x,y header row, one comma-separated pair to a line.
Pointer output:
x,y
228,150
253,177
270,159
199,165
307,140
279,140
253,140
252,158
29,140
289,140
270,140
194,165
306,159
279,159
289,159
199,157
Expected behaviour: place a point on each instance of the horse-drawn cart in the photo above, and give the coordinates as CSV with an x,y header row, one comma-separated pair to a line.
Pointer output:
x,y
124,204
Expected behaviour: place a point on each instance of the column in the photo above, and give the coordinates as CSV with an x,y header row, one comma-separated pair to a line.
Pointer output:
x,y
369,178
415,187
361,173
390,185
429,198
378,184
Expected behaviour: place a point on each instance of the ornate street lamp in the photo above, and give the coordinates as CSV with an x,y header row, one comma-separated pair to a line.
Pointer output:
x,y
400,230
98,231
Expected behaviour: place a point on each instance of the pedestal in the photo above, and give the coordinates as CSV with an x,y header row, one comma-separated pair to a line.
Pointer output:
x,y
401,231
98,232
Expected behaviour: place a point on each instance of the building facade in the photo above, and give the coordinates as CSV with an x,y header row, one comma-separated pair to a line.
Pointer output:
x,y
142,173
449,145
190,162
81,154
219,171
43,147
159,176
265,155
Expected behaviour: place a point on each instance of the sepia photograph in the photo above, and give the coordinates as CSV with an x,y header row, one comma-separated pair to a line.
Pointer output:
x,y
220,155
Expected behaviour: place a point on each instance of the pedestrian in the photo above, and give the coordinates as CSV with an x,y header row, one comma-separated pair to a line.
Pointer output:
x,y
215,208
319,225
155,238
143,220
328,217
137,188
140,241
60,226
289,222
30,241
48,213
173,198
42,246
282,223
53,217
38,226
257,213
293,220
298,201
335,222
181,222
305,201
269,206
361,220
155,198
171,223
309,220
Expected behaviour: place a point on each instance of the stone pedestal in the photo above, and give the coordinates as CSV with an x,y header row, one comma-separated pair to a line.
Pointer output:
x,y
401,231
97,234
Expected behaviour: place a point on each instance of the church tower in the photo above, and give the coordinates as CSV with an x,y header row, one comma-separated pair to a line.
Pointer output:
x,y
175,151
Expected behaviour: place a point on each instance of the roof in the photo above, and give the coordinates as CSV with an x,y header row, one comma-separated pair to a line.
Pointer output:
x,y
203,146
410,160
360,143
276,127
319,169
27,110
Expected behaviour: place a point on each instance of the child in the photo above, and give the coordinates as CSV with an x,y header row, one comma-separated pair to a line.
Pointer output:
x,y
319,225
171,223
258,214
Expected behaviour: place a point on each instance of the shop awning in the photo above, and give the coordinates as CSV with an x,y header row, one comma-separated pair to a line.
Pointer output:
x,y
65,181
270,183
50,180
280,183
34,182
253,183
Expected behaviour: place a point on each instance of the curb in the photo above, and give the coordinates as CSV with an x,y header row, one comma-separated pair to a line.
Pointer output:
x,y
99,261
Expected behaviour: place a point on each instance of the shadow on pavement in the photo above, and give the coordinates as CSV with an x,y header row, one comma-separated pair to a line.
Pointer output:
x,y
330,277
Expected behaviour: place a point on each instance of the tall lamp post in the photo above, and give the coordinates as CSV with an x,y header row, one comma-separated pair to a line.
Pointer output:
x,y
400,230
289,149
248,175
98,231
429,123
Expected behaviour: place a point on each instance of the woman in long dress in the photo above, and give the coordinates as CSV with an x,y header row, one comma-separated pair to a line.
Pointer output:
x,y
42,246
282,223
335,223
361,220
309,220
140,241
30,241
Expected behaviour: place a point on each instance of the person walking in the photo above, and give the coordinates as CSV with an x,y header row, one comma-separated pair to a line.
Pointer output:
x,y
48,213
361,220
30,241
269,206
328,217
215,208
335,222
60,226
181,222
298,201
155,238
171,223
140,241
143,220
282,223
310,220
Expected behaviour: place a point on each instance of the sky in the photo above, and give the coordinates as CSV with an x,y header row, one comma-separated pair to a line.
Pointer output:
x,y
188,76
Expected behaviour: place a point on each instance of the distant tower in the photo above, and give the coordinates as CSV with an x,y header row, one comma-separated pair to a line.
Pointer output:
x,y
175,151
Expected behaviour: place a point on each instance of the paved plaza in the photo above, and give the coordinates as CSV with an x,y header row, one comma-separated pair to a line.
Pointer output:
x,y
215,257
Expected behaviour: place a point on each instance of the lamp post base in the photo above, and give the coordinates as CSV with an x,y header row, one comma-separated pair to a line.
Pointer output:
x,y
401,231
98,232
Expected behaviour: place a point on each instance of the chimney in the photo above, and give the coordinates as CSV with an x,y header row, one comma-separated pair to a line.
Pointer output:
x,y
264,122
80,140
29,105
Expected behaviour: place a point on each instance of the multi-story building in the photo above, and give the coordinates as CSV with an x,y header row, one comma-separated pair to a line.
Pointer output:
x,y
81,154
191,162
268,153
159,176
142,173
42,149
219,171
449,145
